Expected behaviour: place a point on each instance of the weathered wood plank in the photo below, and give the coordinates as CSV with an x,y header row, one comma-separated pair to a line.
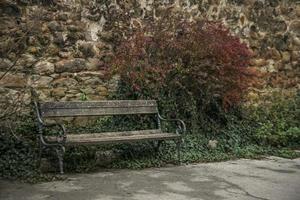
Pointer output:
x,y
97,111
112,134
118,139
103,103
108,134
98,108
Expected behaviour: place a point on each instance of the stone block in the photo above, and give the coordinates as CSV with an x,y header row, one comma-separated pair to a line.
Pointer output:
x,y
58,92
96,97
212,144
295,27
295,56
94,64
88,90
54,26
297,10
44,95
44,68
52,50
59,39
103,91
286,56
10,80
296,42
62,16
93,81
87,49
65,82
38,81
258,62
104,158
26,60
274,54
73,65
5,64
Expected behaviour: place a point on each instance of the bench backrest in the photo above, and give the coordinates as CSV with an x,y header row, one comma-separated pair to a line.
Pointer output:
x,y
98,108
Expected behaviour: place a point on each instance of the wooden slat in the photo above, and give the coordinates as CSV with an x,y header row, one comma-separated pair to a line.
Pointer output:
x,y
97,111
98,108
120,139
103,103
107,134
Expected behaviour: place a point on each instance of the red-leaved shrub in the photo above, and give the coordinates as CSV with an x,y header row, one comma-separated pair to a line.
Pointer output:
x,y
201,58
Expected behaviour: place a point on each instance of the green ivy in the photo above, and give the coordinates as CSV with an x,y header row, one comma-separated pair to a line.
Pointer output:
x,y
278,122
251,132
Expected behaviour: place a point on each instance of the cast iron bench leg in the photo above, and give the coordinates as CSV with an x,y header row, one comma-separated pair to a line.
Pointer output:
x,y
40,154
178,146
158,144
60,154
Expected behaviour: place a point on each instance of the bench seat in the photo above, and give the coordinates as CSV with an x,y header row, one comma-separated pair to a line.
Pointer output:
x,y
116,137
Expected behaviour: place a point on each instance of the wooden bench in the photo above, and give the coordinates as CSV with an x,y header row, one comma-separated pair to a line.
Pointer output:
x,y
101,108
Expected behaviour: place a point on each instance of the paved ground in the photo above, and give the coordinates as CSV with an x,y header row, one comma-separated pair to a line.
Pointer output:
x,y
272,179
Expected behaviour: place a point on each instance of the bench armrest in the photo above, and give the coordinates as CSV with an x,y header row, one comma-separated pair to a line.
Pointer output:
x,y
181,128
61,137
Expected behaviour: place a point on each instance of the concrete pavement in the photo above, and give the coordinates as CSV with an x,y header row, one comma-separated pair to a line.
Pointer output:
x,y
269,179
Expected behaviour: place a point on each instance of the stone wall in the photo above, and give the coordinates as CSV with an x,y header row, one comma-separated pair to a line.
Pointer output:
x,y
64,57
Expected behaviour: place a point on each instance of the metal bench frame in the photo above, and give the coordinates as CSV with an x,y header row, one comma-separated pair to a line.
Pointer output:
x,y
98,108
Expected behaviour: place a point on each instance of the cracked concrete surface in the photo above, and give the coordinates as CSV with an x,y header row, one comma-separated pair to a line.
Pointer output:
x,y
269,179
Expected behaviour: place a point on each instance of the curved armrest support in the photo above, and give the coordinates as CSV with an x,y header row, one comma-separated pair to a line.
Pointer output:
x,y
61,137
181,128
